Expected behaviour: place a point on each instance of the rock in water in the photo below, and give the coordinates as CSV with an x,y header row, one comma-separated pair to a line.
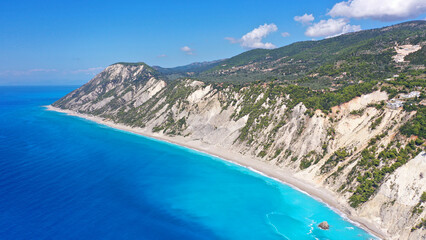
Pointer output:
x,y
324,225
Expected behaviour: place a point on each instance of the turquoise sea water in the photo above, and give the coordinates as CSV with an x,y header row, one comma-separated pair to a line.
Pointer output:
x,y
63,177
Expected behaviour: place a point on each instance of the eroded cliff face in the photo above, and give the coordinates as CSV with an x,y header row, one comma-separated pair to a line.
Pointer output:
x,y
392,207
99,96
328,149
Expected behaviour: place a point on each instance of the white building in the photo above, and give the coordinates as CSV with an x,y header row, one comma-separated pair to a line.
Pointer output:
x,y
394,104
412,94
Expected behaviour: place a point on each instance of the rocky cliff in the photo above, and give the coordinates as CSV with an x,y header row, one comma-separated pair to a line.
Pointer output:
x,y
333,149
362,140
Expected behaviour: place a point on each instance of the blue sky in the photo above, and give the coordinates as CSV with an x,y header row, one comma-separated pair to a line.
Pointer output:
x,y
67,42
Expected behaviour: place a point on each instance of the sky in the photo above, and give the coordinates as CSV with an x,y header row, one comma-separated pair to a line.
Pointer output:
x,y
59,42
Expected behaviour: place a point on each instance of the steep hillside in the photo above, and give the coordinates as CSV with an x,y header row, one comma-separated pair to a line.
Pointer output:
x,y
358,140
363,55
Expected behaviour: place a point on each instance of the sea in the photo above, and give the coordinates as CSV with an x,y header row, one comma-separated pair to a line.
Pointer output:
x,y
63,177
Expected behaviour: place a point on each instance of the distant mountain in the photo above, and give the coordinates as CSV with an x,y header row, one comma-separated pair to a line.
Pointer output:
x,y
187,70
362,55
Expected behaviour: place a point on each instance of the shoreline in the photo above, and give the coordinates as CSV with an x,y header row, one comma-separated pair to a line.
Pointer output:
x,y
282,175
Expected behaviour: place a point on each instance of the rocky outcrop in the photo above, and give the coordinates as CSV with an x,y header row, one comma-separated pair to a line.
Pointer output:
x,y
114,87
324,225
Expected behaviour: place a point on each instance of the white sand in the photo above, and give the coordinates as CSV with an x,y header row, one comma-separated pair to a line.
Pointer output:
x,y
285,176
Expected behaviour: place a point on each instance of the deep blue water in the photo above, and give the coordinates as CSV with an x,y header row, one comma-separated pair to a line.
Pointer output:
x,y
62,177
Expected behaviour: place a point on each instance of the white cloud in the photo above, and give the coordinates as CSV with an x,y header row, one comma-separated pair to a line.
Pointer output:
x,y
331,28
384,10
253,39
42,70
88,71
285,34
162,56
233,40
305,19
26,72
187,50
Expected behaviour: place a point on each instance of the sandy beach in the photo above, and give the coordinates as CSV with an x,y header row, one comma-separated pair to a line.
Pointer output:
x,y
280,174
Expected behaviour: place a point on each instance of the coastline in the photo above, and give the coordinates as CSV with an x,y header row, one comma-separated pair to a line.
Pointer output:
x,y
279,174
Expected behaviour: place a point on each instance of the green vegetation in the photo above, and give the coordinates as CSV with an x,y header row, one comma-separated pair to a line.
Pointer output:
x,y
376,123
305,163
277,152
337,157
378,106
417,125
325,100
171,127
419,208
417,57
409,79
365,55
372,169
422,224
307,160
262,154
358,112
423,197
254,106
